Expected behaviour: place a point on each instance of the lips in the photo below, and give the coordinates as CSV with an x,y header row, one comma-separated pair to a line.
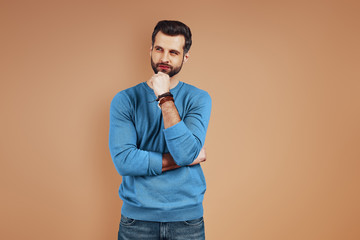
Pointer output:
x,y
164,67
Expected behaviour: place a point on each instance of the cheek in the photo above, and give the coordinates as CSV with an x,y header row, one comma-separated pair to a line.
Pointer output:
x,y
154,57
175,60
154,60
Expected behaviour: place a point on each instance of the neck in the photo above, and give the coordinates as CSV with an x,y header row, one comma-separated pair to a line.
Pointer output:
x,y
174,81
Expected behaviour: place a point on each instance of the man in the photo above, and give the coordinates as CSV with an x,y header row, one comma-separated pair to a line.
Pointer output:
x,y
157,146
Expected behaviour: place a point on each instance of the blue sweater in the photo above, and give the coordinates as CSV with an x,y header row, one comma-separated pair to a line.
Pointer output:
x,y
137,141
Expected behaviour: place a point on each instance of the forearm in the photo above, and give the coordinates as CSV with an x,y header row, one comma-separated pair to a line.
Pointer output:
x,y
185,135
184,155
170,114
182,144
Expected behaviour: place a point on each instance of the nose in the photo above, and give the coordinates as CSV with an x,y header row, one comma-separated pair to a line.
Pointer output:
x,y
164,57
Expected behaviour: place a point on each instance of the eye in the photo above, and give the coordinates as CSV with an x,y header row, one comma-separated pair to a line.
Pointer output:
x,y
174,52
158,49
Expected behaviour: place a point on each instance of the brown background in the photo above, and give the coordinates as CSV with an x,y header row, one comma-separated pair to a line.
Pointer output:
x,y
283,140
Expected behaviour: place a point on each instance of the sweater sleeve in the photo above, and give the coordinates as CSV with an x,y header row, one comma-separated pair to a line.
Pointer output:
x,y
127,158
186,138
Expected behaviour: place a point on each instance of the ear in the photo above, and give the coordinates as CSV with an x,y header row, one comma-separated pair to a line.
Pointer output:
x,y
186,56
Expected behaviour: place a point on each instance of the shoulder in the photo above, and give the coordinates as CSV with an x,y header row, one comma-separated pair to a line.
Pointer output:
x,y
126,99
128,95
195,93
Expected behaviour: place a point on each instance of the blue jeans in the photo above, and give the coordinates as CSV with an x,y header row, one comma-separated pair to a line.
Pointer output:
x,y
131,229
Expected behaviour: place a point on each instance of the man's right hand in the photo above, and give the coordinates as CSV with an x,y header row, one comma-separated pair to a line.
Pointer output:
x,y
160,83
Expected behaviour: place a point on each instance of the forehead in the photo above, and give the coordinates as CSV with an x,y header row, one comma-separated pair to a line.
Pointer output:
x,y
170,42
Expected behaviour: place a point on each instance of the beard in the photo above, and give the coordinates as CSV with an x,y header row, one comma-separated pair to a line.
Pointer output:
x,y
172,71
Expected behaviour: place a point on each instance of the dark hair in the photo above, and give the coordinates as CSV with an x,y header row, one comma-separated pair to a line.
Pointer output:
x,y
173,28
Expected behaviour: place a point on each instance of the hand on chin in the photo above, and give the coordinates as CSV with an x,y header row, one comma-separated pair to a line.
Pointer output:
x,y
160,83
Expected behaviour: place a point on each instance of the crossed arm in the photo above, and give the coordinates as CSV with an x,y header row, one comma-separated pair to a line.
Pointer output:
x,y
161,84
170,118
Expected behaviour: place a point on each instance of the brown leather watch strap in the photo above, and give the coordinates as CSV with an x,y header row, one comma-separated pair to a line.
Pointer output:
x,y
165,99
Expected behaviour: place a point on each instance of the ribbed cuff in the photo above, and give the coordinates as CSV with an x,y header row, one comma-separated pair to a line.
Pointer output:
x,y
175,131
155,163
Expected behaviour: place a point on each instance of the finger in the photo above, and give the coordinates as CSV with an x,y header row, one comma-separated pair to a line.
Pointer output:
x,y
160,73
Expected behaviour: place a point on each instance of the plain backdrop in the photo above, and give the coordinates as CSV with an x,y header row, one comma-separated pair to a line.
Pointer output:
x,y
283,139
